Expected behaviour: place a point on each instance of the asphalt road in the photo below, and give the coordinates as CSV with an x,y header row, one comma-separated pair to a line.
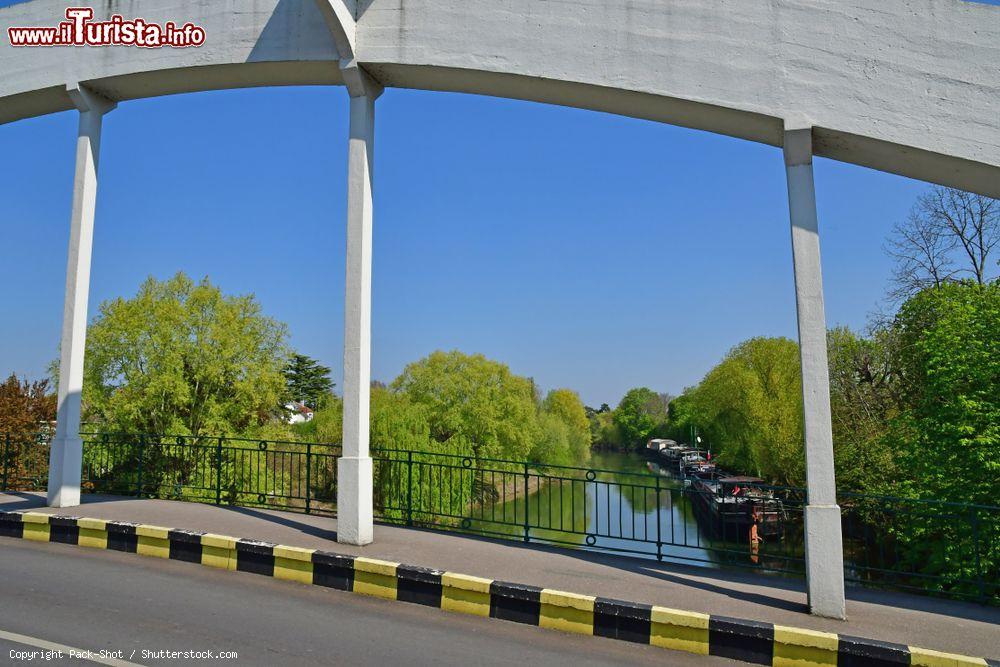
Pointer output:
x,y
133,607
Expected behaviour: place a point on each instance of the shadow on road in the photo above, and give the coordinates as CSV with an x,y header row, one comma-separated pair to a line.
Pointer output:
x,y
288,522
28,501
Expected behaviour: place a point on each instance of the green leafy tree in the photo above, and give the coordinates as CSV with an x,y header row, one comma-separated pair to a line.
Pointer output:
x,y
308,382
552,444
327,424
947,437
565,404
638,414
949,351
605,431
475,399
681,418
182,357
865,386
397,422
750,408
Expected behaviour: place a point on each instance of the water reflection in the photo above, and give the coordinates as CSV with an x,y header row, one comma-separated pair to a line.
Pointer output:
x,y
630,516
634,510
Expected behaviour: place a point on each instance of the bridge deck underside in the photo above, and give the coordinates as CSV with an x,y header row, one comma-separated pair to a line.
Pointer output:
x,y
904,86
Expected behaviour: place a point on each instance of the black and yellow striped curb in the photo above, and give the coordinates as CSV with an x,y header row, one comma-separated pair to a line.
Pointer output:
x,y
748,641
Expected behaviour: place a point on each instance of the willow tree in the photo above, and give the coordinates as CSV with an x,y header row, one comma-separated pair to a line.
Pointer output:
x,y
750,406
182,357
475,400
565,405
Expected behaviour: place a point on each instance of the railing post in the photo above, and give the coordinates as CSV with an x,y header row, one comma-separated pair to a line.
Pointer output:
x,y
659,541
721,527
218,471
308,477
527,525
6,456
409,488
138,481
975,545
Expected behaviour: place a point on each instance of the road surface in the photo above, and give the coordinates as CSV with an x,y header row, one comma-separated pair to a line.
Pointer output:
x,y
134,607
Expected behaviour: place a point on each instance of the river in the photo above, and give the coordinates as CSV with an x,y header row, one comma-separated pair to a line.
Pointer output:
x,y
626,506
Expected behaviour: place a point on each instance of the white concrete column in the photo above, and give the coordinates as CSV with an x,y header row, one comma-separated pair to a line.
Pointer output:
x,y
66,454
354,467
823,541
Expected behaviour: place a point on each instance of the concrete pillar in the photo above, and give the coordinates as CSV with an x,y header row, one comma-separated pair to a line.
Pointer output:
x,y
66,454
823,541
354,467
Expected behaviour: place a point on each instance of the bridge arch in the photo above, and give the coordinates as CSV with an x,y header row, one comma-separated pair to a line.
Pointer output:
x,y
905,86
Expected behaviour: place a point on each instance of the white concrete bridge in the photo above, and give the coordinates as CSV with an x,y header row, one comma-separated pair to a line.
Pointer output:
x,y
910,87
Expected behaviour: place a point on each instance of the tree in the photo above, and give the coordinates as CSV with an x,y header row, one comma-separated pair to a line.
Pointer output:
x,y
947,438
399,423
750,407
605,433
972,220
949,234
949,352
565,405
922,251
865,396
680,418
327,424
475,400
308,382
640,411
181,357
552,444
27,409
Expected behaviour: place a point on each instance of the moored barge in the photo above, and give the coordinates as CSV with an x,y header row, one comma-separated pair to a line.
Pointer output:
x,y
730,506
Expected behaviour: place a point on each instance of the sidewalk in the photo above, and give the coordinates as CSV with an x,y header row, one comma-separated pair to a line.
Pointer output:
x,y
941,625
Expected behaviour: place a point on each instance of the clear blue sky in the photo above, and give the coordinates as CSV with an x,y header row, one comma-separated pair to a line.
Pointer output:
x,y
583,249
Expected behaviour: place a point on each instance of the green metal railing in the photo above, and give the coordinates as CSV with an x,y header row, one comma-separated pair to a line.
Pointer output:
x,y
593,508
949,549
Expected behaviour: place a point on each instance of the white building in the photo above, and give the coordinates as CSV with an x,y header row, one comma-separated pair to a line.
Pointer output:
x,y
298,413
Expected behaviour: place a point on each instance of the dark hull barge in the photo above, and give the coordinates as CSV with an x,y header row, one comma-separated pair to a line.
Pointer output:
x,y
730,506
